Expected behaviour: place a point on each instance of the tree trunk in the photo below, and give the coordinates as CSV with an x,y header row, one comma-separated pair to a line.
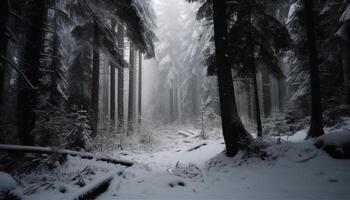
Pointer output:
x,y
4,14
140,89
95,82
171,103
266,94
121,82
253,67
257,106
316,127
249,102
112,87
131,106
232,127
27,97
346,68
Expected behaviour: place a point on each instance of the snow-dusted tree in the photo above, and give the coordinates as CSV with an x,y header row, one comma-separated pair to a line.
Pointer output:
x,y
330,27
180,64
94,22
251,49
316,126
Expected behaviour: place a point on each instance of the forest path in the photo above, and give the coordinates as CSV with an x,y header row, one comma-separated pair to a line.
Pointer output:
x,y
294,171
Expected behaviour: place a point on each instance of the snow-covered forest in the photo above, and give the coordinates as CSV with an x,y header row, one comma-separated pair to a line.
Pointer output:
x,y
174,99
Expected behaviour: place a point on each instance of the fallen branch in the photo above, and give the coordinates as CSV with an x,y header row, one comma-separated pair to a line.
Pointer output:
x,y
196,147
48,150
193,132
184,134
94,189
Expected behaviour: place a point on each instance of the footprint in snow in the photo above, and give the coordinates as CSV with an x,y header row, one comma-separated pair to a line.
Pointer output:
x,y
177,183
333,180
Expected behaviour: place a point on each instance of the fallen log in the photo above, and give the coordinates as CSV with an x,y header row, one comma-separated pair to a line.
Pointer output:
x,y
94,189
49,150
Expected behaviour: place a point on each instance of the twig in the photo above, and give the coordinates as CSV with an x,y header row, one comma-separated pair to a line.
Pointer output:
x,y
20,72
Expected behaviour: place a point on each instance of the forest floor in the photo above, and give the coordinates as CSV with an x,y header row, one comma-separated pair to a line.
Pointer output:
x,y
175,170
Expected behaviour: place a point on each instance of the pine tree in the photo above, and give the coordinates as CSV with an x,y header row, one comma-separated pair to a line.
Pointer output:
x,y
232,126
140,89
4,10
112,83
316,127
121,82
27,97
131,103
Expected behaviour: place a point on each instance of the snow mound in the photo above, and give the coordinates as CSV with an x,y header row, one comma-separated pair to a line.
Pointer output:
x,y
7,187
6,182
336,144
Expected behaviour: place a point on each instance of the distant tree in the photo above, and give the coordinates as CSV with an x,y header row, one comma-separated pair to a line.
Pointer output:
x,y
140,88
331,29
121,120
112,80
251,46
131,103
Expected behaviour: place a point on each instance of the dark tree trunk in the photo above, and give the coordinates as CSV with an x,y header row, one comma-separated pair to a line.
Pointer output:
x,y
232,126
112,87
4,14
257,105
140,89
121,82
347,67
249,102
131,106
266,95
316,127
95,82
281,89
27,97
253,67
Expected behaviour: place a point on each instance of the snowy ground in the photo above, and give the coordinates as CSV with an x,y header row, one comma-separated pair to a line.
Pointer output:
x,y
294,170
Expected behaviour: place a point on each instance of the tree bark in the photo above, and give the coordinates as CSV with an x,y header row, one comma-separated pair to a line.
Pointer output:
x,y
95,82
232,127
171,102
4,14
140,89
266,94
249,102
316,127
131,106
257,106
253,67
27,97
112,83
347,67
121,82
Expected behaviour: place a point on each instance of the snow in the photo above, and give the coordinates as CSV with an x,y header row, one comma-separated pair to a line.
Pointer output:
x,y
7,183
346,15
337,138
293,169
